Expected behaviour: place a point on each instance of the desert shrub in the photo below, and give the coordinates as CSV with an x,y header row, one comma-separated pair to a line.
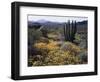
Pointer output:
x,y
55,57
42,48
37,63
52,36
33,35
40,45
30,63
52,54
77,38
43,40
71,48
83,44
84,36
44,32
81,40
46,46
52,45
83,57
36,60
59,57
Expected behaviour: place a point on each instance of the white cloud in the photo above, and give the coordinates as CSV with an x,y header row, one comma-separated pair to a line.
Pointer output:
x,y
55,18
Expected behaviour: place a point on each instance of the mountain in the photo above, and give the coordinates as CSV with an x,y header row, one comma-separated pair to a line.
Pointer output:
x,y
45,23
81,26
83,22
42,21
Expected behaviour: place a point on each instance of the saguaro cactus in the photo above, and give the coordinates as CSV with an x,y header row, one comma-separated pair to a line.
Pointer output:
x,y
67,31
70,31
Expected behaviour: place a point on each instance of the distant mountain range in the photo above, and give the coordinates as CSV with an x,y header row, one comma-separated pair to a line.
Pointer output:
x,y
36,24
45,22
82,22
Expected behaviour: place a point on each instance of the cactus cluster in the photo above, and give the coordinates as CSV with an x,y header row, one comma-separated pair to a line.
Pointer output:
x,y
70,29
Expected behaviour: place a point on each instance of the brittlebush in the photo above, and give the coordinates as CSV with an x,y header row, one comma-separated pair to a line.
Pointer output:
x,y
60,57
52,54
46,46
71,48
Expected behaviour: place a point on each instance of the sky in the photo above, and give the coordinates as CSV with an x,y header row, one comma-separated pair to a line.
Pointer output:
x,y
55,18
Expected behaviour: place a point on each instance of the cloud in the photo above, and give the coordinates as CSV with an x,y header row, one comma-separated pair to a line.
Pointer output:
x,y
55,18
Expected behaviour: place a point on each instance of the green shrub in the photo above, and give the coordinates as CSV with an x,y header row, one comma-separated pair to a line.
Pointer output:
x,y
83,44
83,57
33,35
71,48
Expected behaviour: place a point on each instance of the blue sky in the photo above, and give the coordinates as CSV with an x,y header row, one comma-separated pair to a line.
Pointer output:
x,y
55,18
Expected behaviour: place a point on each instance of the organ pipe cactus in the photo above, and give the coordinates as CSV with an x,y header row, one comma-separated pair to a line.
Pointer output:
x,y
70,30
